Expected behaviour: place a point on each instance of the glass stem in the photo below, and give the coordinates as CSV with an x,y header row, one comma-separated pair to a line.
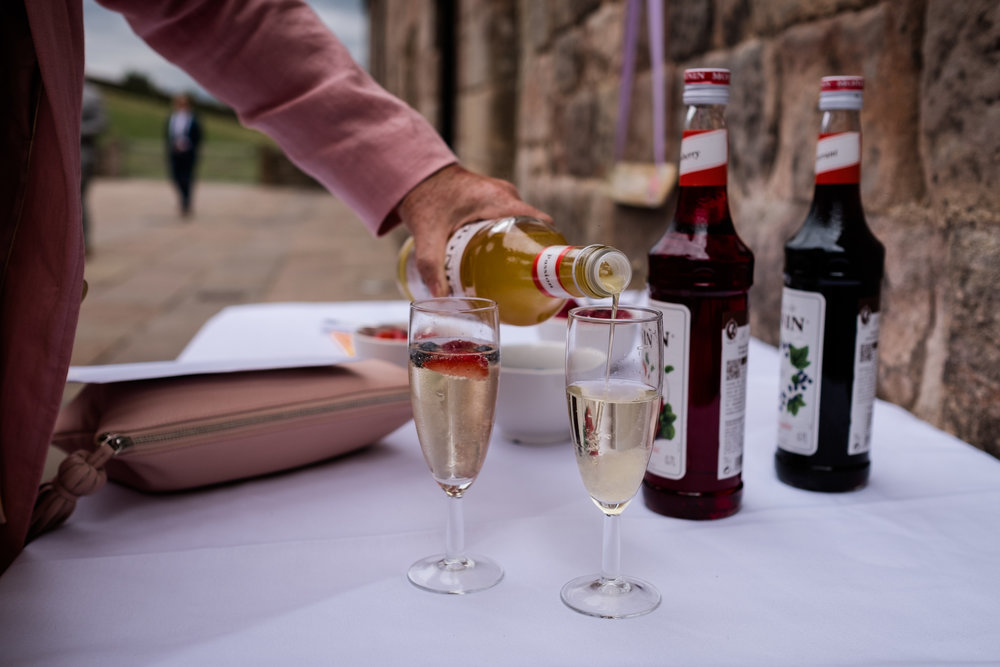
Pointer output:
x,y
454,550
611,553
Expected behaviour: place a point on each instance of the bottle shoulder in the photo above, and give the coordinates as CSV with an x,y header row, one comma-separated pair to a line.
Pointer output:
x,y
850,237
815,257
700,262
698,243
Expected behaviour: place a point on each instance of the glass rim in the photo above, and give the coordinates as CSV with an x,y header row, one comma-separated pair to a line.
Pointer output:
x,y
474,304
648,314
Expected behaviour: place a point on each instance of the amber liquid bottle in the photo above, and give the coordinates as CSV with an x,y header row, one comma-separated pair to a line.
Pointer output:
x,y
830,314
524,265
700,272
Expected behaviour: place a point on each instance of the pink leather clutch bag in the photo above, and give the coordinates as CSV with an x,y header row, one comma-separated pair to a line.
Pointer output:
x,y
179,433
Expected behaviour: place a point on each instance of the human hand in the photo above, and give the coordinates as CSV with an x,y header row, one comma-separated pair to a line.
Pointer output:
x,y
445,201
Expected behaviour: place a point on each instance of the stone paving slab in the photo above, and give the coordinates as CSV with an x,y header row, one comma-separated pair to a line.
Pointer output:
x,y
155,278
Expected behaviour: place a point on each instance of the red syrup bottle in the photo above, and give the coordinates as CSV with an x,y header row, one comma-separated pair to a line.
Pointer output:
x,y
700,272
830,314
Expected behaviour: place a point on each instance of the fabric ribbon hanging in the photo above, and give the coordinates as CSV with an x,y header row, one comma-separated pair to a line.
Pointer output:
x,y
642,183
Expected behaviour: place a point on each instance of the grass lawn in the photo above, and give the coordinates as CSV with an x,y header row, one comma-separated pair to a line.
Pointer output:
x,y
136,128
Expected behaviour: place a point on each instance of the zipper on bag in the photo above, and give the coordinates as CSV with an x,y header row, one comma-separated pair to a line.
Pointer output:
x,y
122,443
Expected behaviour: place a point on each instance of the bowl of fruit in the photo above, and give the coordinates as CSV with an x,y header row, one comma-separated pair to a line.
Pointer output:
x,y
382,341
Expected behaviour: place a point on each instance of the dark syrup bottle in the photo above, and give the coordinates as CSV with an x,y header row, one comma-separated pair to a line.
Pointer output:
x,y
700,272
830,314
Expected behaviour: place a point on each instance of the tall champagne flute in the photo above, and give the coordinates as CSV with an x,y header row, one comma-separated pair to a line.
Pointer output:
x,y
614,379
454,366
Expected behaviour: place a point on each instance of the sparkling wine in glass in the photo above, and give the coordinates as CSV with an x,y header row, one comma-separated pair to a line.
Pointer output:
x,y
614,380
454,367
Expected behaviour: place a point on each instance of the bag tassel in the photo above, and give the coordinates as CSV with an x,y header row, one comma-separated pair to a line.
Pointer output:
x,y
80,474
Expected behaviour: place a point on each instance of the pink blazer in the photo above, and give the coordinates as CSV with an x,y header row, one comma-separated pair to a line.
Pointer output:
x,y
272,61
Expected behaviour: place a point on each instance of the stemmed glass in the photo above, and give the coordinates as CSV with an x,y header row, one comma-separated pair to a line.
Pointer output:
x,y
614,379
454,366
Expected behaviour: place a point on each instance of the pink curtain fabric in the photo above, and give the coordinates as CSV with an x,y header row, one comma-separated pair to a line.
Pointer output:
x,y
43,273
284,73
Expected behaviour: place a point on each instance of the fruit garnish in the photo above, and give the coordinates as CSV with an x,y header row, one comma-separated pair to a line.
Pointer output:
x,y
391,334
605,313
459,345
385,332
568,306
471,366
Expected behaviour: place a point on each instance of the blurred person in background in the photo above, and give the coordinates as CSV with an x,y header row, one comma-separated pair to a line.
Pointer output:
x,y
284,73
183,134
93,123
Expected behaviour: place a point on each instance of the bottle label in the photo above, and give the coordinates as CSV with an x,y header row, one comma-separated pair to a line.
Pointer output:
x,y
453,252
733,393
704,156
669,457
838,158
865,378
545,271
803,318
416,289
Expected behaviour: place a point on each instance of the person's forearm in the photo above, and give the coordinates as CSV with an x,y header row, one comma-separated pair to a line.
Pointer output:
x,y
285,74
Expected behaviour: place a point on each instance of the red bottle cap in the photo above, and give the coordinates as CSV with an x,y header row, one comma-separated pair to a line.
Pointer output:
x,y
706,85
707,75
841,92
831,84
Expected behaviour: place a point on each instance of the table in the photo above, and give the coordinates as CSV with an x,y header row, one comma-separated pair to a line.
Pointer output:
x,y
309,567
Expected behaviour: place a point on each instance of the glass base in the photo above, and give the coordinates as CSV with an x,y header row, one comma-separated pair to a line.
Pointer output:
x,y
610,598
457,577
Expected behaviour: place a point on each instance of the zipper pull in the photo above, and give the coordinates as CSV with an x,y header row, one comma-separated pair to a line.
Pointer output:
x,y
117,443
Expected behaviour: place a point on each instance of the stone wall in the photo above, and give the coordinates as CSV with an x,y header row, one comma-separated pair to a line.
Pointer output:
x,y
537,103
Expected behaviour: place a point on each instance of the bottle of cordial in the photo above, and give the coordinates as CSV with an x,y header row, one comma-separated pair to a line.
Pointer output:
x,y
699,274
524,265
830,313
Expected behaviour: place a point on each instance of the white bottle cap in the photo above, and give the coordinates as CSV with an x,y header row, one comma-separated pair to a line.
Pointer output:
x,y
706,86
841,92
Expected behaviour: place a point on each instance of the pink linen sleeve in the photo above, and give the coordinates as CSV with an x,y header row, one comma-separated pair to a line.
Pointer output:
x,y
286,74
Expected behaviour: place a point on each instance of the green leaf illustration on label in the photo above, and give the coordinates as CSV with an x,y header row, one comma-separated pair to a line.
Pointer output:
x,y
667,419
795,403
666,430
799,356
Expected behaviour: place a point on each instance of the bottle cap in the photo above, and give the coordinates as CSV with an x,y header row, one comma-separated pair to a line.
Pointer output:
x,y
605,267
706,85
841,92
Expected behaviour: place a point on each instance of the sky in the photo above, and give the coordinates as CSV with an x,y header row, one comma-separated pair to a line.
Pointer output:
x,y
112,49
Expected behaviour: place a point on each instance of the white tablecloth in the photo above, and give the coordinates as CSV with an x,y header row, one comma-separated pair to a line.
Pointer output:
x,y
309,567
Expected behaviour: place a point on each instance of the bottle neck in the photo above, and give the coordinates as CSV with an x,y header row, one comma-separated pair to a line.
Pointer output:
x,y
837,194
595,271
838,150
704,161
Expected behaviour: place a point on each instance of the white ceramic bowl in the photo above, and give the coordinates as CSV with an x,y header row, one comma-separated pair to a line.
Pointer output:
x,y
531,403
368,344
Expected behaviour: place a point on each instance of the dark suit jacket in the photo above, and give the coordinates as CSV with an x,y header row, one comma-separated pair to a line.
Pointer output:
x,y
192,133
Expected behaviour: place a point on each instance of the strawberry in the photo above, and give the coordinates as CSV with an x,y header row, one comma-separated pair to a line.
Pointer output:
x,y
458,345
471,366
390,333
568,306
604,313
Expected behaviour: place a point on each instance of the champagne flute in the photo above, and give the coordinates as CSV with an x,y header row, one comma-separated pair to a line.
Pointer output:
x,y
614,379
454,345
